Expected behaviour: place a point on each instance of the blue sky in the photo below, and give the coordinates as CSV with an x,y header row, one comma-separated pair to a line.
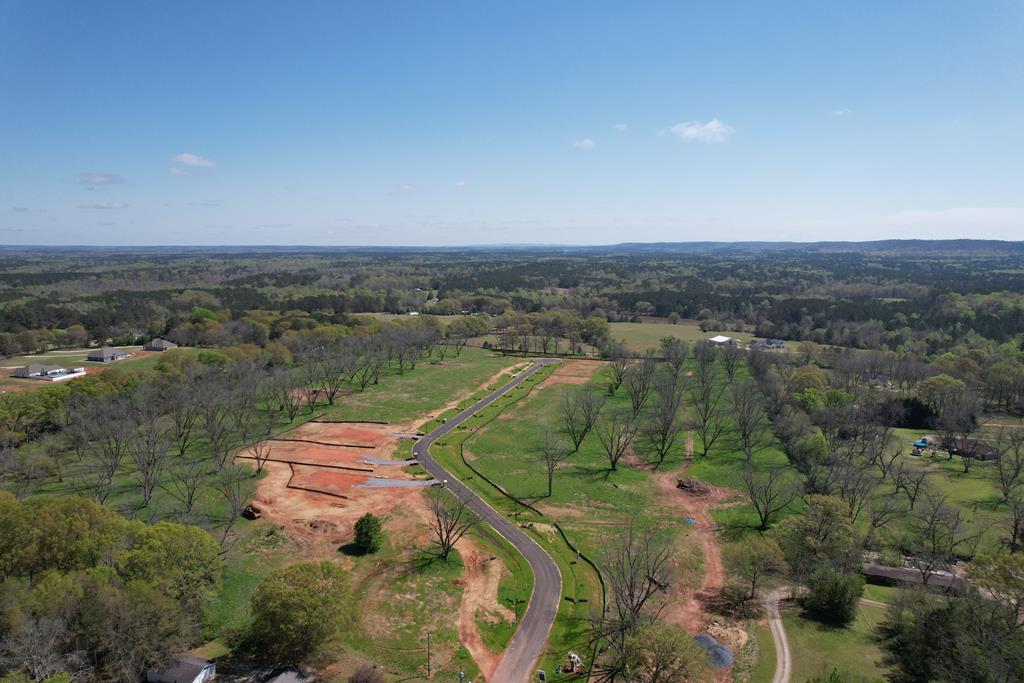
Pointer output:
x,y
442,123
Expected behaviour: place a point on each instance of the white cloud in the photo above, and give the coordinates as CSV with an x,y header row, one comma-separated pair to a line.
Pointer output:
x,y
104,206
460,183
175,171
93,179
620,127
842,112
190,159
714,130
585,143
19,209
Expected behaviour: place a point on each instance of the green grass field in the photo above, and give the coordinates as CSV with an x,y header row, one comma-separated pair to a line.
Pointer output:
x,y
410,396
643,336
74,358
817,649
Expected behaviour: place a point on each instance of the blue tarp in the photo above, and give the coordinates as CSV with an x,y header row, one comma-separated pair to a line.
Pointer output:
x,y
719,655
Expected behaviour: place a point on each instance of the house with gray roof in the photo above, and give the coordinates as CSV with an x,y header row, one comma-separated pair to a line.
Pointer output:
x,y
158,344
106,355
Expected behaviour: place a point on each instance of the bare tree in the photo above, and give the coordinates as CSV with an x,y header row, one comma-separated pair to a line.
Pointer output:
x,y
912,482
553,453
616,432
287,391
730,357
216,410
579,411
1014,522
105,431
770,491
1009,465
236,486
181,404
39,645
956,424
450,519
149,442
706,398
675,351
639,382
750,417
333,364
884,509
617,370
937,534
184,483
663,425
637,570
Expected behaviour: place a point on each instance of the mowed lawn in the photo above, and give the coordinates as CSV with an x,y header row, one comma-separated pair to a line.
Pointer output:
x,y
817,649
75,358
586,497
414,394
643,336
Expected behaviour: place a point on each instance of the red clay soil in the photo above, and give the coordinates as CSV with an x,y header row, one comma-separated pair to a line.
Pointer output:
x,y
479,594
341,433
573,372
688,607
327,520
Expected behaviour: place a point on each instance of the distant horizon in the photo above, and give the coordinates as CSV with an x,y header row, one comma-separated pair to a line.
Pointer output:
x,y
518,245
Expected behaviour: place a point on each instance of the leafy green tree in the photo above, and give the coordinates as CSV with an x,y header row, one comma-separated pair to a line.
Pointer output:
x,y
937,639
824,534
369,533
665,653
182,562
63,533
753,560
833,596
298,609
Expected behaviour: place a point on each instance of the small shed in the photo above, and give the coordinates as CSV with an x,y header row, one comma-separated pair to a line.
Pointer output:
x,y
106,355
183,669
158,344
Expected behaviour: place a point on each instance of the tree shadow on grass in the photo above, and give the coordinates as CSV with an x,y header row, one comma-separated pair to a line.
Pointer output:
x,y
422,560
352,549
735,531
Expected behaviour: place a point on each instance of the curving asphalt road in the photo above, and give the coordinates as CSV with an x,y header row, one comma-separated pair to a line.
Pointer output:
x,y
527,644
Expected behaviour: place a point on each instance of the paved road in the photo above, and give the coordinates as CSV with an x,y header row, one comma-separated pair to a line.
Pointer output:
x,y
783,662
527,644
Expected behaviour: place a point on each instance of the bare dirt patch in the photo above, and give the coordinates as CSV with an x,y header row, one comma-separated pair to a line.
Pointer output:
x,y
573,372
323,503
689,607
480,600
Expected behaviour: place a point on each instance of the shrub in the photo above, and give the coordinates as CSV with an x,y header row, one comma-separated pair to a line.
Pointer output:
x,y
833,596
369,533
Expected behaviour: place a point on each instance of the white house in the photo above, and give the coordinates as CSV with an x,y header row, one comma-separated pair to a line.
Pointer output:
x,y
721,339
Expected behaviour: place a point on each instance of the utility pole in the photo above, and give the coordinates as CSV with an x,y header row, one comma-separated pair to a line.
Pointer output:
x,y
428,654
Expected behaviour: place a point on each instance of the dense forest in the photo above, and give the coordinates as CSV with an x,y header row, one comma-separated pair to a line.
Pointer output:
x,y
898,296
